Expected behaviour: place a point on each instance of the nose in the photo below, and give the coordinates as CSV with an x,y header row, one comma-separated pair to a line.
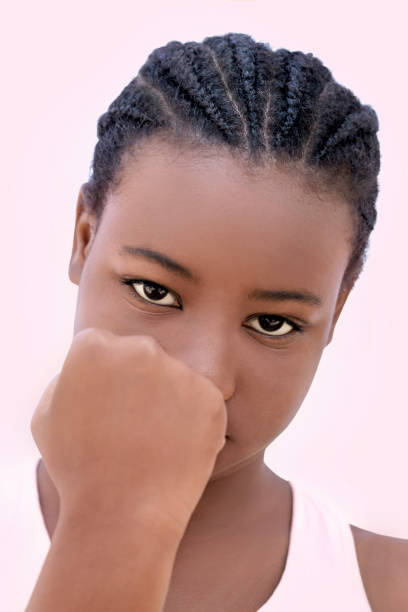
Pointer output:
x,y
211,353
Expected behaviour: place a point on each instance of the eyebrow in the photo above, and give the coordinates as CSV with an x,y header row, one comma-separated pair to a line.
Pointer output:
x,y
166,262
160,258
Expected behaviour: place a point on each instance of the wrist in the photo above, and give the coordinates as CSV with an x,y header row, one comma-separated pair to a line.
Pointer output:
x,y
98,516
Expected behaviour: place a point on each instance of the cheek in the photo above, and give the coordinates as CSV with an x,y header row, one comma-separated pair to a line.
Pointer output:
x,y
272,392
92,305
102,303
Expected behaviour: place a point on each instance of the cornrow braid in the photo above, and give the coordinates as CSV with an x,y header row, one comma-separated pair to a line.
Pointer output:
x,y
247,69
192,85
297,85
265,105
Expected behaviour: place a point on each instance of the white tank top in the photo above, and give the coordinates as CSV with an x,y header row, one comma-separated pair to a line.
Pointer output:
x,y
321,572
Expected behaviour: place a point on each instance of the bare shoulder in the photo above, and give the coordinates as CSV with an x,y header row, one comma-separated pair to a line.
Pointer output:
x,y
383,562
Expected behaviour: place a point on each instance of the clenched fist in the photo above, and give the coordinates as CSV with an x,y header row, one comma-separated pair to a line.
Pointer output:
x,y
125,425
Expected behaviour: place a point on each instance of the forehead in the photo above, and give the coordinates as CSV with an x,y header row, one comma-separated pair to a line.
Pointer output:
x,y
208,210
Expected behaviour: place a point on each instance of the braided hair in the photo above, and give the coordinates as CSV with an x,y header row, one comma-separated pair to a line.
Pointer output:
x,y
263,105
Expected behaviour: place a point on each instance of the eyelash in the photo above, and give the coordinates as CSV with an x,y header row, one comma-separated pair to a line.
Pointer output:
x,y
129,282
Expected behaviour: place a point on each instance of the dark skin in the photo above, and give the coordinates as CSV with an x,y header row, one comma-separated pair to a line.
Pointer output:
x,y
235,231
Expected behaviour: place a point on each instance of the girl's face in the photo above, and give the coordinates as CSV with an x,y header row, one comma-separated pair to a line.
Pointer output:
x,y
242,279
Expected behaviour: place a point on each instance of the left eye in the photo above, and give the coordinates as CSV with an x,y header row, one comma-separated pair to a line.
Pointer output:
x,y
273,323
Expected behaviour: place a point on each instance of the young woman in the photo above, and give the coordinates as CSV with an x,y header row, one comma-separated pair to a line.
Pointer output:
x,y
224,224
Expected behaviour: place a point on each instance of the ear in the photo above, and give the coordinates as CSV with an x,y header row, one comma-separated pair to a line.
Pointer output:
x,y
341,300
84,234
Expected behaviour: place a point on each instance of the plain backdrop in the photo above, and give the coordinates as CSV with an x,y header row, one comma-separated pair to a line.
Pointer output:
x,y
62,66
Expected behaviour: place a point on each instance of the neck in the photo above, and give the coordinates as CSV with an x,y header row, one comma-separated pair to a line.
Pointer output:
x,y
243,494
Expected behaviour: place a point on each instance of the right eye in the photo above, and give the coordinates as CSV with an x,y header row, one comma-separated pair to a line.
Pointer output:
x,y
150,292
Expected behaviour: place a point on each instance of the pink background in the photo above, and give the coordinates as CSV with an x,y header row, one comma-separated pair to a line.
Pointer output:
x,y
62,66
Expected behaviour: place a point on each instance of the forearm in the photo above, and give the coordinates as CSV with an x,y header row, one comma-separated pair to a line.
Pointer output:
x,y
105,565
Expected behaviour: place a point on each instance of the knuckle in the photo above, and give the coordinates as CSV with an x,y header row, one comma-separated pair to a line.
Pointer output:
x,y
87,335
92,338
218,403
214,399
91,347
99,333
147,346
214,392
